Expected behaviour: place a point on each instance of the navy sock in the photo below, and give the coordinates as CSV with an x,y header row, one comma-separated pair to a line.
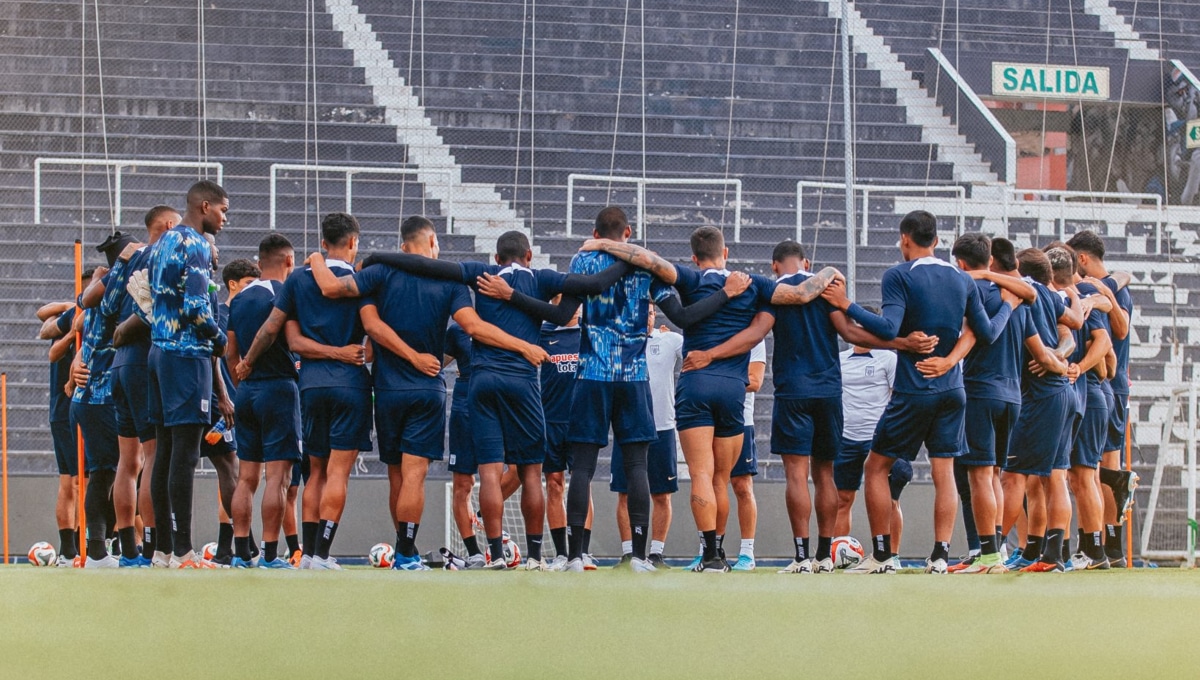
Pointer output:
x,y
66,543
253,544
271,551
1033,548
587,541
534,543
149,541
1113,545
309,531
224,540
1052,549
1093,545
241,547
824,547
708,540
406,538
559,537
801,548
472,545
325,532
496,548
882,550
941,551
293,543
128,543
987,544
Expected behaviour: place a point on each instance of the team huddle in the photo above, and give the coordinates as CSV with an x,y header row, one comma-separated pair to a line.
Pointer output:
x,y
1010,369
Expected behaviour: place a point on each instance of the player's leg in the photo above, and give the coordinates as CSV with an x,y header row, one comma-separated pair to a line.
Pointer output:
x,y
848,477
290,528
660,526
798,501
278,474
66,456
663,476
946,413
411,504
844,524
962,484
592,405
533,510
491,506
160,496
510,481
826,447
624,532
145,503
556,512
98,425
464,516
345,423
333,500
125,492
747,510
226,465
899,477
1118,485
395,481
697,443
310,508
1084,478
249,474
1058,518
877,494
185,456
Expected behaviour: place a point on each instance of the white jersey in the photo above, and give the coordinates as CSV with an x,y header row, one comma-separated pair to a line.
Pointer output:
x,y
866,389
664,358
759,355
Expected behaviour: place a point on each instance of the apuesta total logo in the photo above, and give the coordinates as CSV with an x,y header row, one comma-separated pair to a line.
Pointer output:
x,y
1047,81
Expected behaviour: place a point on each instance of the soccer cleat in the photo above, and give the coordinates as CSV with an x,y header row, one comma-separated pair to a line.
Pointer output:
x,y
305,562
77,563
296,558
801,567
657,560
559,563
1081,561
694,563
161,560
496,565
589,562
64,561
106,562
575,565
744,563
983,564
1123,493
1017,562
965,564
824,566
239,563
277,563
476,561
623,563
413,563
535,565
325,564
1116,562
138,562
640,566
870,566
713,566
895,560
224,561
1043,567
937,566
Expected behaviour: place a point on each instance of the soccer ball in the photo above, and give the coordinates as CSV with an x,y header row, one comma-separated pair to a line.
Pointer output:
x,y
847,552
512,554
209,551
381,556
42,554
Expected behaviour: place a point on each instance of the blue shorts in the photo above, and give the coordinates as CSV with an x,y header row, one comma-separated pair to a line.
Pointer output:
x,y
299,471
1115,437
335,418
807,427
558,449
66,451
703,400
1062,457
747,463
1089,440
848,469
1040,430
225,446
661,466
268,420
506,419
989,427
129,392
412,422
98,423
899,477
461,443
910,420
179,389
625,406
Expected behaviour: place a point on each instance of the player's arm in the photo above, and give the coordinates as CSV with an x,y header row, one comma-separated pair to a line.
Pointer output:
x,y
91,296
687,316
1110,363
1066,342
936,367
52,310
232,355
1012,284
61,347
308,348
916,342
381,333
635,255
262,341
807,291
559,314
988,329
581,285
79,372
488,334
1117,318
51,330
418,265
220,394
1042,359
1075,313
755,374
131,330
1122,279
1097,347
331,285
884,326
744,341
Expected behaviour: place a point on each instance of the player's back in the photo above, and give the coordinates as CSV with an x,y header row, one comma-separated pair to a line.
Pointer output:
x,y
119,304
1120,384
731,319
335,323
867,379
935,295
993,370
614,323
179,269
541,284
458,345
247,313
805,361
97,355
558,374
1043,316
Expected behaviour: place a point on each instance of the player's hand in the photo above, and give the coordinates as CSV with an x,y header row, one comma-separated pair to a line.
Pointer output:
x,y
494,287
1009,298
835,294
313,256
80,374
664,329
592,245
736,284
355,355
1036,368
243,370
225,406
696,360
130,249
534,354
1101,303
1073,373
917,342
838,275
427,364
934,367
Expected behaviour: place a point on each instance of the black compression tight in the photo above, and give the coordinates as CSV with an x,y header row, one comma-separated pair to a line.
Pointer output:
x,y
171,484
583,468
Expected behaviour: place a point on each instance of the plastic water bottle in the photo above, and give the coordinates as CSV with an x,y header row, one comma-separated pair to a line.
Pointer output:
x,y
218,432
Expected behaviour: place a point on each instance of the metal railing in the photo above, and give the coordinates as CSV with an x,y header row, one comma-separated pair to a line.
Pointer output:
x,y
959,198
1107,206
349,171
642,183
975,121
118,164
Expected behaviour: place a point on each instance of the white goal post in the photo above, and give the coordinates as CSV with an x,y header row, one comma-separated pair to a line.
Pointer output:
x,y
1169,530
348,172
641,183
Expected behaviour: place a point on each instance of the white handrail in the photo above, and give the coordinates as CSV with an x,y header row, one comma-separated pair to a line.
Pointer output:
x,y
118,164
349,171
1096,206
1010,144
642,183
867,190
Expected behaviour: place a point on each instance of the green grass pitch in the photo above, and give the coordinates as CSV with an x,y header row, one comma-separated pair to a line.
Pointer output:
x,y
372,623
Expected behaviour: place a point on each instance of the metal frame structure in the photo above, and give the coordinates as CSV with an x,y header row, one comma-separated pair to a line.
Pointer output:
x,y
642,183
118,164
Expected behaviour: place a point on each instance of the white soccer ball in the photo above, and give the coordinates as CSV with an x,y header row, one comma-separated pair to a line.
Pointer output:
x,y
209,551
512,553
847,552
381,556
42,554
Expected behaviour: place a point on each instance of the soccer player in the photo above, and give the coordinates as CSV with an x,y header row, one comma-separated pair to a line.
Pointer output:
x,y
407,318
744,470
710,399
184,336
1118,485
991,381
335,387
57,319
458,350
267,405
664,357
928,294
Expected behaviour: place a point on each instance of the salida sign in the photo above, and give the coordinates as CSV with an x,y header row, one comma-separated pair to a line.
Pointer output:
x,y
1046,81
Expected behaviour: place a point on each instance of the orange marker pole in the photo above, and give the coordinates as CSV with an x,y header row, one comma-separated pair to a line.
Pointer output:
x,y
78,430
4,452
1129,467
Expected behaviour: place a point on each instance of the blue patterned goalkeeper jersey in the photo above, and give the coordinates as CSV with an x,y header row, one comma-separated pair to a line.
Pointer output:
x,y
183,319
97,354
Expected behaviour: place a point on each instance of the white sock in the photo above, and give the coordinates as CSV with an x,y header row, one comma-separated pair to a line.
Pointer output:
x,y
747,548
626,547
657,547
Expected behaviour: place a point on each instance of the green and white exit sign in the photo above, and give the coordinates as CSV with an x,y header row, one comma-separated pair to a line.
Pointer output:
x,y
1046,81
1192,133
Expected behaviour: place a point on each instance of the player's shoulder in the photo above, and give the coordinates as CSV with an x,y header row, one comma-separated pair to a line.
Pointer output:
x,y
590,262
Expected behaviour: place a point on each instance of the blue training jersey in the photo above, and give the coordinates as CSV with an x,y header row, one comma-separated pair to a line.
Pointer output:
x,y
542,284
558,375
613,346
1096,321
330,322
1120,384
60,373
247,313
222,362
930,295
119,304
417,309
694,285
806,363
183,318
1044,315
97,354
993,369
458,345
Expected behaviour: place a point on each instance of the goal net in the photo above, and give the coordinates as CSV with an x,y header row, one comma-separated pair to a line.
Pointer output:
x,y
1169,530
